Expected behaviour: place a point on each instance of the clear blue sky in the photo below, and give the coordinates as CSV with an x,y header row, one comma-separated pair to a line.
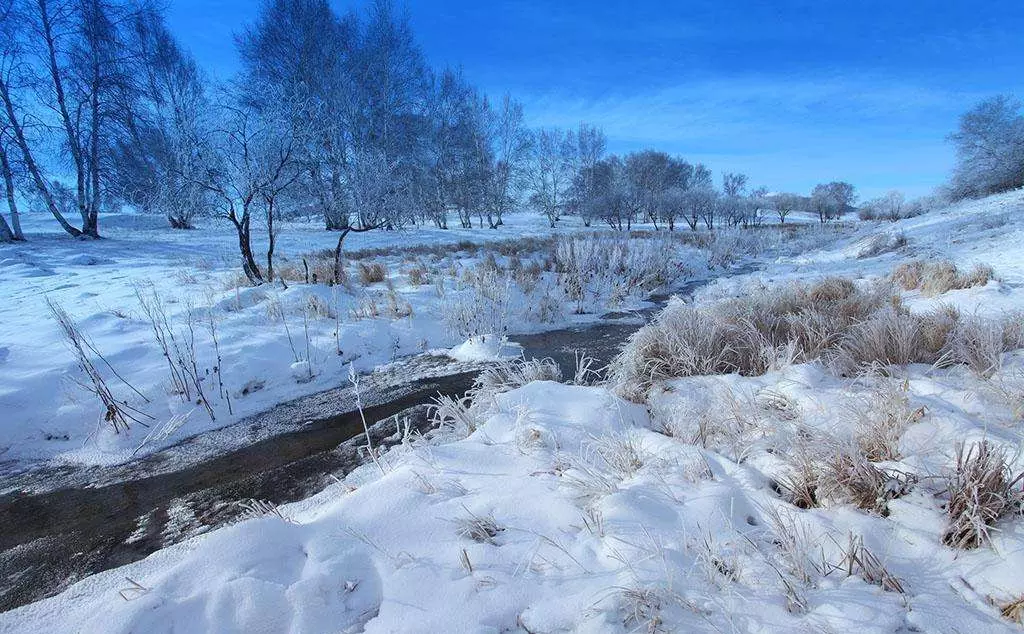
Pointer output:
x,y
792,92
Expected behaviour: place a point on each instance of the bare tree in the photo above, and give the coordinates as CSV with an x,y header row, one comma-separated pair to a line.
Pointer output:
x,y
989,148
254,160
511,144
550,172
733,184
832,200
784,204
306,54
700,204
156,159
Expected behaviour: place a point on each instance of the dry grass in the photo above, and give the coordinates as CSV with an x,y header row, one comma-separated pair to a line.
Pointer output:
x,y
480,528
747,335
371,273
880,420
508,375
981,490
882,243
937,277
849,477
858,560
418,276
849,327
1013,610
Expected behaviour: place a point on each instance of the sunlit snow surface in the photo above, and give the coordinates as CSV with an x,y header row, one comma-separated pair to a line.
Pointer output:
x,y
674,537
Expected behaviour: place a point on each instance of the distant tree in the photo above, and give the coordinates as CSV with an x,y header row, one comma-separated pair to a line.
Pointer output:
x,y
649,174
989,149
733,184
156,157
887,207
511,145
589,147
832,200
784,204
700,204
550,172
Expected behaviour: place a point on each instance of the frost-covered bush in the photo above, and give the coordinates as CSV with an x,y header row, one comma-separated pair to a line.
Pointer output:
x,y
937,277
592,268
981,489
850,327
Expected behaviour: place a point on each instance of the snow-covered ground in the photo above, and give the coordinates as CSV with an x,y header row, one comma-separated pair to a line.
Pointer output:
x,y
563,508
274,343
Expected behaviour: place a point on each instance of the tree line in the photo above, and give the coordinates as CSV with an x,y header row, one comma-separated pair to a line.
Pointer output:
x,y
332,116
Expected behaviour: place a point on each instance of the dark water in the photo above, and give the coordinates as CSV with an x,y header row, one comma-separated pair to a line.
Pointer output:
x,y
50,540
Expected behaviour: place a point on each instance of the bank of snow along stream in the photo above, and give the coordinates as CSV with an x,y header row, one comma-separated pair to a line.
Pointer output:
x,y
555,507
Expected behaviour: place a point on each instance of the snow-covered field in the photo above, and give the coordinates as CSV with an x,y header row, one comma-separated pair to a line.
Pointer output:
x,y
273,343
552,507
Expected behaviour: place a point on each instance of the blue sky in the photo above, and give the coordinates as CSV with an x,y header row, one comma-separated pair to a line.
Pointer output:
x,y
790,92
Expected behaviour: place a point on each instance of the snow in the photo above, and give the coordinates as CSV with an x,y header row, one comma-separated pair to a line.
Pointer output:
x,y
488,347
276,343
591,514
585,541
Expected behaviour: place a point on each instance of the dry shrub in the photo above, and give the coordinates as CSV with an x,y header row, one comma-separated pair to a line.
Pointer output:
x,y
936,278
979,344
479,528
418,276
981,490
881,419
397,306
319,308
509,375
1013,610
311,268
937,326
848,476
908,275
367,308
848,326
800,486
858,560
890,336
882,243
371,273
748,335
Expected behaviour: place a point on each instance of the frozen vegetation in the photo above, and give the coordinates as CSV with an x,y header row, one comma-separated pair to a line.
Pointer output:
x,y
811,420
829,443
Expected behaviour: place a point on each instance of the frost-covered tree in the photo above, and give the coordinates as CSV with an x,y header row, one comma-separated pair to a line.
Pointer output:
x,y
550,172
64,69
649,175
700,204
989,148
157,154
510,143
733,184
253,161
589,148
784,204
303,52
831,200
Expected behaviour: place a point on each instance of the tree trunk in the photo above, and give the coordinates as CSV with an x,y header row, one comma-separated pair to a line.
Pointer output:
x,y
30,163
15,228
249,266
6,235
270,239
